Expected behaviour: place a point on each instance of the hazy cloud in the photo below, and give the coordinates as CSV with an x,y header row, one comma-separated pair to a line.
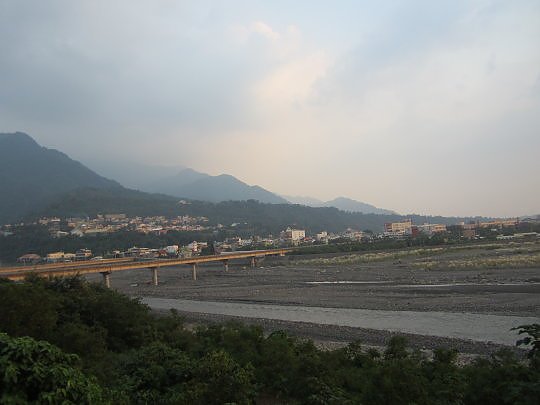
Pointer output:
x,y
410,105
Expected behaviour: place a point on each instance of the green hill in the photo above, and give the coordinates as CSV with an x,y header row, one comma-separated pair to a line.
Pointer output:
x,y
31,176
251,215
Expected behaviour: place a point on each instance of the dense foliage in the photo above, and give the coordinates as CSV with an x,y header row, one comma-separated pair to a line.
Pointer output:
x,y
127,355
38,372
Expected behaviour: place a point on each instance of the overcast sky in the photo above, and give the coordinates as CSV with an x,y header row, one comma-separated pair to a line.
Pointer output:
x,y
428,106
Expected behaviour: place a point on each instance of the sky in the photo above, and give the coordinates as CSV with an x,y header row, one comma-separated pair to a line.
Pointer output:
x,y
429,107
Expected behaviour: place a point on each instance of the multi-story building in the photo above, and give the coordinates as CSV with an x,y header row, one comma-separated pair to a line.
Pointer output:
x,y
353,235
322,237
29,258
55,257
83,254
500,223
295,235
430,229
398,228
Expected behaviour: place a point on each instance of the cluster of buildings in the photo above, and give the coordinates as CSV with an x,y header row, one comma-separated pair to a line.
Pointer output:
x,y
407,228
467,230
472,229
288,237
110,223
55,257
190,250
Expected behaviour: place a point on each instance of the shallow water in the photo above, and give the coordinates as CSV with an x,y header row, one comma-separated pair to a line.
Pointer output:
x,y
422,285
478,327
347,282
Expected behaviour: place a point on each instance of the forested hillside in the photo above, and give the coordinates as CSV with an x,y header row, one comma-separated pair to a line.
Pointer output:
x,y
261,218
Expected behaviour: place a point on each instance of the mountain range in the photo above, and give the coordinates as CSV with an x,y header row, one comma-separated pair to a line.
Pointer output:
x,y
194,185
37,181
342,203
188,183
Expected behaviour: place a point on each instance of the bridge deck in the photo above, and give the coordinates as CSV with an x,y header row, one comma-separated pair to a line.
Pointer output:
x,y
69,269
82,263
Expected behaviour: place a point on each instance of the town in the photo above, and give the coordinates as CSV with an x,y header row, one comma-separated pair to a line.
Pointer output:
x,y
84,229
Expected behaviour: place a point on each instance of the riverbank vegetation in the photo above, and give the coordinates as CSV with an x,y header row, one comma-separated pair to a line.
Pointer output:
x,y
508,262
70,341
486,255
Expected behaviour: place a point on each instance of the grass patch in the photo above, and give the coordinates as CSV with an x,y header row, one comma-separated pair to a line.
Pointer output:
x,y
513,262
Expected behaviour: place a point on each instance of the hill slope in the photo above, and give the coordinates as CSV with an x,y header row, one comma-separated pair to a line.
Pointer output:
x,y
194,185
32,176
342,203
255,218
36,181
347,204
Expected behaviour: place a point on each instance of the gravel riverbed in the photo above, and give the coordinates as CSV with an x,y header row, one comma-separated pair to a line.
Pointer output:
x,y
394,285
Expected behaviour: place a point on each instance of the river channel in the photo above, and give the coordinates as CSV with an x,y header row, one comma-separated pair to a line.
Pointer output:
x,y
476,327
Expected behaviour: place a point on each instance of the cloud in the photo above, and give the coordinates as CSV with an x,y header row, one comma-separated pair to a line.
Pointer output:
x,y
398,103
264,29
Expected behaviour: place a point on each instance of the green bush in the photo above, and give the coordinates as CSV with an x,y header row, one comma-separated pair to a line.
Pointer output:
x,y
37,372
125,355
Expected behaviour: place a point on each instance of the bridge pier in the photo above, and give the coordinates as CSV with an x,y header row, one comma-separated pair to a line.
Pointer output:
x,y
106,278
194,271
154,275
226,265
253,262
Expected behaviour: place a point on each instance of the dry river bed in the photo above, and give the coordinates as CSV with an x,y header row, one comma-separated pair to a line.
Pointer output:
x,y
404,295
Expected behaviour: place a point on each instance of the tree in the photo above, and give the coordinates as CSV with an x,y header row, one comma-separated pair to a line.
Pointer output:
x,y
38,372
218,379
156,374
28,310
532,340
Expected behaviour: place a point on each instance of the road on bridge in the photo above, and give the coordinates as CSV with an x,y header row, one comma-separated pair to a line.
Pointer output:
x,y
106,267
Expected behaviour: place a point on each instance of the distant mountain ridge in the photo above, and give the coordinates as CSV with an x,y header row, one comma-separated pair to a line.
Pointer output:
x,y
131,174
32,175
255,218
342,203
37,181
348,204
191,184
307,201
194,185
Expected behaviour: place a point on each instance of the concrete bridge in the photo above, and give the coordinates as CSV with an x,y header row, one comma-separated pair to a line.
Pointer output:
x,y
107,267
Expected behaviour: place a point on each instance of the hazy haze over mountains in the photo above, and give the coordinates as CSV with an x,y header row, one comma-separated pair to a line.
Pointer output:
x,y
131,174
418,106
32,176
200,186
342,203
37,181
183,182
189,183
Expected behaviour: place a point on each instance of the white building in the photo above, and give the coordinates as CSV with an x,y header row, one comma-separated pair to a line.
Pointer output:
x,y
430,229
322,236
295,235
